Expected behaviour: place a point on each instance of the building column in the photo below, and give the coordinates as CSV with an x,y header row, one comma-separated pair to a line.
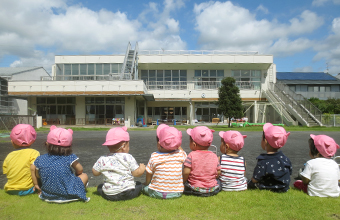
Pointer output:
x,y
192,113
145,114
255,112
80,110
130,109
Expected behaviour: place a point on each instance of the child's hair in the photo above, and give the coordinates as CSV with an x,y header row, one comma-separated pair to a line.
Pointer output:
x,y
199,147
23,135
58,150
116,147
312,148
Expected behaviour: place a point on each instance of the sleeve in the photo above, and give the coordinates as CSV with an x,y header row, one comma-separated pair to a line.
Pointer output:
x,y
307,171
218,164
133,163
34,156
72,159
188,161
36,163
149,168
259,171
98,165
4,166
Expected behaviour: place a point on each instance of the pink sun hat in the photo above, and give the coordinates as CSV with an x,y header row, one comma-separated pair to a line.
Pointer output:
x,y
60,136
170,138
234,139
202,135
23,135
275,135
326,145
116,135
160,127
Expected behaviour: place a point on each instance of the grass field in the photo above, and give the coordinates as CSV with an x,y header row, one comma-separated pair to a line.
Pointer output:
x,y
253,204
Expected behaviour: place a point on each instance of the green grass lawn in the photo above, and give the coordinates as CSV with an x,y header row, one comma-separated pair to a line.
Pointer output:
x,y
253,204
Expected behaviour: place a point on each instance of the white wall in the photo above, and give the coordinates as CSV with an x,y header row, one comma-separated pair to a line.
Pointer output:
x,y
130,109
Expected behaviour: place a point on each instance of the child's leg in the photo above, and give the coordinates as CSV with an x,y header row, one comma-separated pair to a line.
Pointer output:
x,y
300,185
84,178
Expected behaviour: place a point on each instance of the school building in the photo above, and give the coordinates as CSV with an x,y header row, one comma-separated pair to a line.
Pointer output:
x,y
159,86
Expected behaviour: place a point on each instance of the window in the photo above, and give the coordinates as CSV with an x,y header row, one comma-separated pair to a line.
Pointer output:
x,y
247,79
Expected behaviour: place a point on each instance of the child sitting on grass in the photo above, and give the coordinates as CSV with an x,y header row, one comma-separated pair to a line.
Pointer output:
x,y
233,166
321,174
164,170
17,164
118,168
273,169
59,184
201,167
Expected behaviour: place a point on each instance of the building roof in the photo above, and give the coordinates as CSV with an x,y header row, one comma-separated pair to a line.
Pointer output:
x,y
9,71
304,76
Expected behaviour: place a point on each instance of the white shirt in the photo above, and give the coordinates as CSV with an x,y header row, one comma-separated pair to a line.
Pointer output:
x,y
324,175
116,169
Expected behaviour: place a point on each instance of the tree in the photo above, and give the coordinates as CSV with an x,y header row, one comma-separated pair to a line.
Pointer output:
x,y
229,100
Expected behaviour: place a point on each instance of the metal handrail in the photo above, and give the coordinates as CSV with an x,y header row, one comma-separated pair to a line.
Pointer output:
x,y
125,59
197,85
134,58
305,104
196,52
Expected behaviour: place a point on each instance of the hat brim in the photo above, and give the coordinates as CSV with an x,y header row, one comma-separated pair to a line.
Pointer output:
x,y
221,133
266,126
189,131
111,142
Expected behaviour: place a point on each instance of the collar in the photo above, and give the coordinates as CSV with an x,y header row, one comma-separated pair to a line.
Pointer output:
x,y
267,156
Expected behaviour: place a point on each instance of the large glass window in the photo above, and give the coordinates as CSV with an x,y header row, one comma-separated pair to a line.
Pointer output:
x,y
101,110
60,110
167,114
247,79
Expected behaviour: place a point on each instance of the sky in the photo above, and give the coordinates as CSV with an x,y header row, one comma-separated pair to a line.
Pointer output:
x,y
302,35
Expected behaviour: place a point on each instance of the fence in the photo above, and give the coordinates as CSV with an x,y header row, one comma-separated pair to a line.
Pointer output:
x,y
7,122
331,120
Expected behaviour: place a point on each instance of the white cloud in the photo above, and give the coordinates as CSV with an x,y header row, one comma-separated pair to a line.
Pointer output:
x,y
329,49
38,27
263,9
304,69
223,25
318,3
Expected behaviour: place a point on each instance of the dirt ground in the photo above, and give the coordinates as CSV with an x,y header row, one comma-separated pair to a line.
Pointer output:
x,y
87,145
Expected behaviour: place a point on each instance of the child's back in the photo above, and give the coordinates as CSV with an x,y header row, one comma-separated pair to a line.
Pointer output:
x,y
167,171
321,174
273,169
233,166
164,170
17,164
201,167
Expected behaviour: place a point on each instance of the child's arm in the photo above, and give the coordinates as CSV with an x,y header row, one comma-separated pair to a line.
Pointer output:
x,y
77,167
186,172
139,171
95,172
218,174
148,178
305,180
35,175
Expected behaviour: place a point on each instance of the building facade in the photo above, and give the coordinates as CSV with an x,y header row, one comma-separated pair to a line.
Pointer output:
x,y
150,87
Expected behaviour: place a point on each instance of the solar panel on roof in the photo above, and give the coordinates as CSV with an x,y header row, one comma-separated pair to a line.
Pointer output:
x,y
317,76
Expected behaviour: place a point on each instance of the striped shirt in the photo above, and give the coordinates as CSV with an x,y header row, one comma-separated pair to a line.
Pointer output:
x,y
167,171
232,173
